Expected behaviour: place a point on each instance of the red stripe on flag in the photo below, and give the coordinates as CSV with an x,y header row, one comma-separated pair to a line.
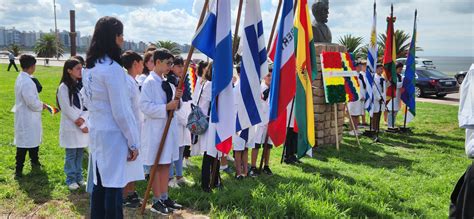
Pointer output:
x,y
225,146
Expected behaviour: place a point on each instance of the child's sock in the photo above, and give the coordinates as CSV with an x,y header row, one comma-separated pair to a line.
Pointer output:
x,y
164,196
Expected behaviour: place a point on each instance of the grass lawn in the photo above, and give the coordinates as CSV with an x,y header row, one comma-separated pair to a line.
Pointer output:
x,y
406,175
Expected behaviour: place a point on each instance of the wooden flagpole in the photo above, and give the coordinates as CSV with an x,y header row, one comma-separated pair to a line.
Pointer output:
x,y
273,26
214,169
352,124
168,121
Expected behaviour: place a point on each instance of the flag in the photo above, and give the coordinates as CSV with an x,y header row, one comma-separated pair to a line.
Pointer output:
x,y
213,38
252,69
306,70
192,76
408,89
389,57
283,85
51,109
371,67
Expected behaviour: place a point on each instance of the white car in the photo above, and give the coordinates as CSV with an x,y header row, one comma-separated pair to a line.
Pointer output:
x,y
419,63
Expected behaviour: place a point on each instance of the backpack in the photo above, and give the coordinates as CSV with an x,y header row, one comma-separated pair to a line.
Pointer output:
x,y
198,122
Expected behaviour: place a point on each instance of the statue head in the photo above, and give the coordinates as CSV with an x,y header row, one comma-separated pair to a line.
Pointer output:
x,y
320,10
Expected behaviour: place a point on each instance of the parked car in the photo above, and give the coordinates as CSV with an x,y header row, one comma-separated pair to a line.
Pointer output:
x,y
419,63
460,76
434,82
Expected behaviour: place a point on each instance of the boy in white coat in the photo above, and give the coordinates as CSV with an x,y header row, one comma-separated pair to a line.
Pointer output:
x,y
28,107
73,130
379,97
156,99
392,113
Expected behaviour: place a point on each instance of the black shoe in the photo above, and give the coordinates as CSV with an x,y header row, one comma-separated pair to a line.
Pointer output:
x,y
147,177
160,208
267,170
132,201
206,189
289,161
36,165
253,172
239,177
18,175
172,204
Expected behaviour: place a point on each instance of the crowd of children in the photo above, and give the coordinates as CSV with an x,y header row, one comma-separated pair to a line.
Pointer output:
x,y
117,104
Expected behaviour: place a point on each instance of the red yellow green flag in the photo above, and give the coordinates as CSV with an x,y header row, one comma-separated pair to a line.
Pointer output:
x,y
306,71
389,58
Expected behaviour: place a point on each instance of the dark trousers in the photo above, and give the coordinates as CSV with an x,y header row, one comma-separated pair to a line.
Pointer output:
x,y
291,143
207,162
106,202
187,151
12,62
462,197
21,155
376,121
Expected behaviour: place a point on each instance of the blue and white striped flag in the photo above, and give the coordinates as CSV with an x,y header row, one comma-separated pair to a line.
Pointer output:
x,y
253,68
371,67
214,39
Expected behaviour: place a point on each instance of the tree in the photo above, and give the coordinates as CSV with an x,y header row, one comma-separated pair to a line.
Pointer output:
x,y
402,43
364,50
173,47
47,47
15,49
352,44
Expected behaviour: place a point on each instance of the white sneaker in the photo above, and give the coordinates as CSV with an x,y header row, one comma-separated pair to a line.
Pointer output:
x,y
184,182
223,167
73,186
82,183
187,163
359,132
352,133
173,184
230,158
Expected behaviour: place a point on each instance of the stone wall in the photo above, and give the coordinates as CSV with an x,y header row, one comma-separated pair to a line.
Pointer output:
x,y
325,125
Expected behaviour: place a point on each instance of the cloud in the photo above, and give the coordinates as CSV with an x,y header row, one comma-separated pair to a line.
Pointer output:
x,y
127,2
462,6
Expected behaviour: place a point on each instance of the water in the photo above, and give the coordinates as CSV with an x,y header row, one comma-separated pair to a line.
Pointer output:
x,y
451,65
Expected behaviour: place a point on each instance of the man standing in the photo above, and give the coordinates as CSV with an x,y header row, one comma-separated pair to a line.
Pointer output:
x,y
11,57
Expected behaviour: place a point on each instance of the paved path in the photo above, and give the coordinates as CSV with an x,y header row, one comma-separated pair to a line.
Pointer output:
x,y
450,99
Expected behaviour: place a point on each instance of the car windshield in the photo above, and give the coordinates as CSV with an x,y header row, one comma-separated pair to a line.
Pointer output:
x,y
433,73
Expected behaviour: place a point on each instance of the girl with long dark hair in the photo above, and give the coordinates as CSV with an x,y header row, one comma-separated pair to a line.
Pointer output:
x,y
114,132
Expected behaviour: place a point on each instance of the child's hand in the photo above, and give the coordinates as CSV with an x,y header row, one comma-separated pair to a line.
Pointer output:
x,y
79,121
179,93
44,106
132,155
85,130
172,105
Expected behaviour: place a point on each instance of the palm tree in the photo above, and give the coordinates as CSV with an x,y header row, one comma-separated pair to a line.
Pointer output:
x,y
173,47
47,47
352,43
15,49
402,43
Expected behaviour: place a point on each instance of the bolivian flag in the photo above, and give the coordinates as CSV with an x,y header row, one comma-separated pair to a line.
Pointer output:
x,y
306,71
389,58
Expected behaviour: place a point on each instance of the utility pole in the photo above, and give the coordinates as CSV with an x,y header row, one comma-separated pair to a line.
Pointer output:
x,y
56,30
72,33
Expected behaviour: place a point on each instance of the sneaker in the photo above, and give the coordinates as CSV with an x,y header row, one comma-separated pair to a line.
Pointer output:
x,y
172,204
173,184
183,182
359,132
227,170
160,208
253,172
73,186
239,177
82,183
289,161
352,133
267,170
187,162
132,201
230,158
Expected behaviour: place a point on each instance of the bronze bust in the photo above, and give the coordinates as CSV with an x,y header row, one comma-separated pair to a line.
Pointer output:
x,y
321,32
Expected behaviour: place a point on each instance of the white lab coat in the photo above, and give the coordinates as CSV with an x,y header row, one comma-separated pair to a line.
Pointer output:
x,y
134,169
181,115
140,79
380,93
28,107
466,110
356,108
112,124
262,128
153,105
70,135
397,99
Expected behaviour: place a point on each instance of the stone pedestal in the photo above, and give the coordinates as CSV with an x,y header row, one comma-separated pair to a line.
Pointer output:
x,y
325,125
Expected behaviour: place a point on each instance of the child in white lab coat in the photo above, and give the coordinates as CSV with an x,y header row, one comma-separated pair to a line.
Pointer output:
x,y
73,130
28,107
156,99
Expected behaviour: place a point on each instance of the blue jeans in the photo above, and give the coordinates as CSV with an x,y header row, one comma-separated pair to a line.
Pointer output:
x,y
73,165
391,120
177,164
106,202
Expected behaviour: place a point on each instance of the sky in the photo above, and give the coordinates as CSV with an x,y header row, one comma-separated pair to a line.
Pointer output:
x,y
445,27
